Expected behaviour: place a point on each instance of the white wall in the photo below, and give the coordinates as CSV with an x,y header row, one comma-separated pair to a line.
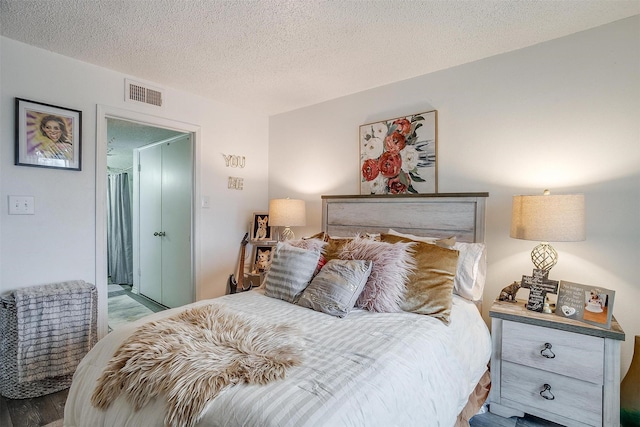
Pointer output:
x,y
59,241
563,115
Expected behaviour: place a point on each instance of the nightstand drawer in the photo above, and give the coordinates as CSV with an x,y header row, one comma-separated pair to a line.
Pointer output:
x,y
568,397
570,354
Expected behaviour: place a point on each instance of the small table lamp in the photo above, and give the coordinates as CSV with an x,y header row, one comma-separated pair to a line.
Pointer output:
x,y
287,213
548,218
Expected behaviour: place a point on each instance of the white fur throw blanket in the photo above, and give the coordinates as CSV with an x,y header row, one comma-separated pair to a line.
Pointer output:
x,y
191,357
56,328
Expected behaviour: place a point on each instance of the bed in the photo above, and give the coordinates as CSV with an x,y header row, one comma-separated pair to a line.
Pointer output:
x,y
362,368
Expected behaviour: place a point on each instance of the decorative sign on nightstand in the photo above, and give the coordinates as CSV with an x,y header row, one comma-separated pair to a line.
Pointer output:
x,y
540,278
539,285
589,304
537,295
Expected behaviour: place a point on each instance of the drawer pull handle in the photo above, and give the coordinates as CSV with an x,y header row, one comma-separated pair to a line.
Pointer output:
x,y
546,393
546,351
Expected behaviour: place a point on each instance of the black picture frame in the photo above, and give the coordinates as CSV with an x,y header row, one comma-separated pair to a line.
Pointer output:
x,y
257,265
261,231
47,136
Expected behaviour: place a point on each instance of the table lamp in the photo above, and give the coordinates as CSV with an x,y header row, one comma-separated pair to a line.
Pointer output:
x,y
287,213
548,218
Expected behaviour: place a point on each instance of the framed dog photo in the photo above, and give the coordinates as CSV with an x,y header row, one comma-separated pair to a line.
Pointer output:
x,y
262,256
260,229
48,136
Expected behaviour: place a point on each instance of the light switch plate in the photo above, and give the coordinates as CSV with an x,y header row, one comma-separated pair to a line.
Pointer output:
x,y
21,205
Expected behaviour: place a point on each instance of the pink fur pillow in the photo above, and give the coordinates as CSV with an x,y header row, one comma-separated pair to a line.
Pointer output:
x,y
392,264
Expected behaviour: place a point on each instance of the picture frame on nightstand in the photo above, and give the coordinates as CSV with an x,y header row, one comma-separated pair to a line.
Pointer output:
x,y
586,303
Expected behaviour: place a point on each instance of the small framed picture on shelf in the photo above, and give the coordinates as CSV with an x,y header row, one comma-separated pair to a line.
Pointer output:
x,y
586,303
260,229
262,255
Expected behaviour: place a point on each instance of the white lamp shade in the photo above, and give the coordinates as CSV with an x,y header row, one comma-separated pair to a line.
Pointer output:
x,y
287,213
548,218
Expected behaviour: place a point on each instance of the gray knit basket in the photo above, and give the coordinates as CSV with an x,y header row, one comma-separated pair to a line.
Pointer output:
x,y
10,387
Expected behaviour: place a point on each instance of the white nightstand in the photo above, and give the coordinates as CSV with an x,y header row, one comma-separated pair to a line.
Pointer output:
x,y
555,368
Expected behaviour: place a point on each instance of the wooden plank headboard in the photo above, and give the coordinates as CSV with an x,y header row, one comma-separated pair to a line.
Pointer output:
x,y
437,215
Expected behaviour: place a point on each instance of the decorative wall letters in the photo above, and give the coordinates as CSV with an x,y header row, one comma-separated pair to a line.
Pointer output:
x,y
234,161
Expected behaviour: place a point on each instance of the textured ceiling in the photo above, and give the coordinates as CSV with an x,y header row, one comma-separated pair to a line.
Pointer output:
x,y
273,56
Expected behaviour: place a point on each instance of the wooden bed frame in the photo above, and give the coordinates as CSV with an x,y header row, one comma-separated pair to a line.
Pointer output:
x,y
438,215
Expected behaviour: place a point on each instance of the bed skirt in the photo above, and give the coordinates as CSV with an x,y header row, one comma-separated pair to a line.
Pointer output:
x,y
476,400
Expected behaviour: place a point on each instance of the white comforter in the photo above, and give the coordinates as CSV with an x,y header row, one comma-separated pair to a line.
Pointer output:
x,y
368,369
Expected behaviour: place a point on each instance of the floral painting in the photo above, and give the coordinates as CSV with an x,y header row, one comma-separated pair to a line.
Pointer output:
x,y
398,156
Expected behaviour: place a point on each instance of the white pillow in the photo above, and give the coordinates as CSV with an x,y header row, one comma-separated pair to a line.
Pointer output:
x,y
472,270
472,265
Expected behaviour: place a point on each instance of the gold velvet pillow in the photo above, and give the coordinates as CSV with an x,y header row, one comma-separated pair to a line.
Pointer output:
x,y
430,287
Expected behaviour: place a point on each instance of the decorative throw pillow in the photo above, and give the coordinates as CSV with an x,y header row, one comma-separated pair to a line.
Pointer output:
x,y
472,264
335,244
320,236
336,287
291,271
447,242
429,288
311,244
392,264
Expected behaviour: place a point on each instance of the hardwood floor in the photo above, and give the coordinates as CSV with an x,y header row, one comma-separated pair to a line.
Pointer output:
x,y
35,412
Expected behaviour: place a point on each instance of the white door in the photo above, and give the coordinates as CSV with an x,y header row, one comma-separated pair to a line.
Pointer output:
x,y
165,222
150,222
176,223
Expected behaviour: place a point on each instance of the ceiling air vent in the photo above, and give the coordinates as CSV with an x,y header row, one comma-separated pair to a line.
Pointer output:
x,y
139,92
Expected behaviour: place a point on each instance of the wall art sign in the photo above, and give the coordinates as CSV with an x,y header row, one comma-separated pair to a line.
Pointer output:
x,y
399,156
233,161
589,304
47,136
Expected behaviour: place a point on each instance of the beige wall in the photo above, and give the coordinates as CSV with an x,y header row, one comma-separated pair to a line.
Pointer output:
x,y
563,115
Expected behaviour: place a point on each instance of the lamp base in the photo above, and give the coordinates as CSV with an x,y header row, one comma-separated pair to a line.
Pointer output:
x,y
544,257
287,234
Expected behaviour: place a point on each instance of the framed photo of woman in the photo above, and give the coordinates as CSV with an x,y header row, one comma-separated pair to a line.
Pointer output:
x,y
48,136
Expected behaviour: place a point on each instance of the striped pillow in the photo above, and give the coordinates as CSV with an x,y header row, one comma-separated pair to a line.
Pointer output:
x,y
291,271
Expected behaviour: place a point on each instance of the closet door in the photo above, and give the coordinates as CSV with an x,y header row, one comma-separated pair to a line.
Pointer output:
x,y
177,286
150,219
165,222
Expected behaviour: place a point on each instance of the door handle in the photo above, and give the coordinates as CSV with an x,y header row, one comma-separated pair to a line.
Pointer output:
x,y
160,233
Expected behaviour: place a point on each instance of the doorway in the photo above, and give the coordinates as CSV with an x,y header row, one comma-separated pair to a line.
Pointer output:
x,y
112,126
136,261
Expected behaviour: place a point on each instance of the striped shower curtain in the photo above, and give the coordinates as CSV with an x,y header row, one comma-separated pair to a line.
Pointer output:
x,y
119,230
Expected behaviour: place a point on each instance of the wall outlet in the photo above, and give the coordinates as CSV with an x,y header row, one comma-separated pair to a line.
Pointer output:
x,y
205,202
21,205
